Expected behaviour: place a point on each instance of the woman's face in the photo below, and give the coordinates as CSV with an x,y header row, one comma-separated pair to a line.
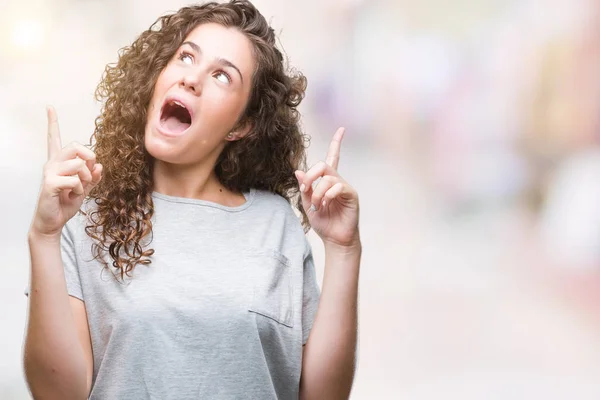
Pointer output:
x,y
200,96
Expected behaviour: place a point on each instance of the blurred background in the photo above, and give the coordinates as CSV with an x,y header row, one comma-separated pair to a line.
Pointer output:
x,y
473,138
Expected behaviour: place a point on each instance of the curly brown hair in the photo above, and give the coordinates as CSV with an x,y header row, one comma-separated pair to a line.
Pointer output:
x,y
265,158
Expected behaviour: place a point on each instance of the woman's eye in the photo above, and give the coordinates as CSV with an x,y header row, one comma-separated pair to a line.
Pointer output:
x,y
186,58
223,77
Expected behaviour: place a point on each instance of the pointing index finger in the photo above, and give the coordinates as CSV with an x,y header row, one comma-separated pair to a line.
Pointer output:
x,y
333,154
54,142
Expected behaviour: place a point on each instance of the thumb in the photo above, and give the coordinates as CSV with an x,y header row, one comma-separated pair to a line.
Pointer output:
x,y
96,177
306,195
96,174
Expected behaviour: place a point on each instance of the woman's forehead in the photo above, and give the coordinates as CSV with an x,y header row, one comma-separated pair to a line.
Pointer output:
x,y
220,42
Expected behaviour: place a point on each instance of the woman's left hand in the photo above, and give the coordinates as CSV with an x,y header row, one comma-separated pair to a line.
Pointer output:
x,y
332,204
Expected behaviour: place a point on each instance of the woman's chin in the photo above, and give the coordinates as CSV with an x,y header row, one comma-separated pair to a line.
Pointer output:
x,y
163,150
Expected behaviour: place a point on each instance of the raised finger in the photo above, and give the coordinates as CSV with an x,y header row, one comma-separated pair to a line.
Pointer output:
x,y
54,141
333,154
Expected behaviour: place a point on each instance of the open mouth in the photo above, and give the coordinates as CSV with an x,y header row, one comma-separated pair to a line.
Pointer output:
x,y
175,117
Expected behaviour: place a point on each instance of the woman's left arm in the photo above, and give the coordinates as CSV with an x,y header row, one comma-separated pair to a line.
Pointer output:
x,y
328,361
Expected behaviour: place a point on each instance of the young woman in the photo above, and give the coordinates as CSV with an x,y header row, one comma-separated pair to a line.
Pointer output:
x,y
167,263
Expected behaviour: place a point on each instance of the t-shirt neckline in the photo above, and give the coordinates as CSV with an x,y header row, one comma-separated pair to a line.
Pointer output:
x,y
249,196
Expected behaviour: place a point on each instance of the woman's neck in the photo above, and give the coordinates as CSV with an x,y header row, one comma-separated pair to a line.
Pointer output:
x,y
194,182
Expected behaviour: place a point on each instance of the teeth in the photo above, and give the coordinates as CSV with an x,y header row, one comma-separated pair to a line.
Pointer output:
x,y
179,104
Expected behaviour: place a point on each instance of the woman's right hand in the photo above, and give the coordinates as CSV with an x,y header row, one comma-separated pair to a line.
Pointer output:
x,y
69,176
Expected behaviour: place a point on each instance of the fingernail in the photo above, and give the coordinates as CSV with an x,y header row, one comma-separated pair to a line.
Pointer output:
x,y
303,188
324,203
312,208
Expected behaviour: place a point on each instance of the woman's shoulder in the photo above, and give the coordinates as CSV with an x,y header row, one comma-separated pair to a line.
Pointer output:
x,y
272,202
283,220
274,205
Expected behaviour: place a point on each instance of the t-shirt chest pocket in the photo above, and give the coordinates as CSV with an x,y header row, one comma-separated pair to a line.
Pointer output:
x,y
272,295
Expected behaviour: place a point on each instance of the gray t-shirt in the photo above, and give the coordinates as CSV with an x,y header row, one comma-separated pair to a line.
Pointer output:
x,y
222,312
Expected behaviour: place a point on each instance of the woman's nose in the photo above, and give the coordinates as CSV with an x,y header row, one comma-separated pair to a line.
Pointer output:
x,y
192,83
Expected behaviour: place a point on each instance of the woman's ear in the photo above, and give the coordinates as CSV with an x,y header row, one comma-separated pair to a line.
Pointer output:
x,y
241,130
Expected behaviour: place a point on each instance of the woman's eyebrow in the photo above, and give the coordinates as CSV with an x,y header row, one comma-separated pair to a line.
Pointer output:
x,y
220,60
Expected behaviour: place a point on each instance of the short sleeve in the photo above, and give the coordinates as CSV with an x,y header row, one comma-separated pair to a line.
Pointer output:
x,y
69,261
311,294
68,250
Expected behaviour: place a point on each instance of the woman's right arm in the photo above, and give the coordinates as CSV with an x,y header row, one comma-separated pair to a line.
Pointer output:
x,y
57,352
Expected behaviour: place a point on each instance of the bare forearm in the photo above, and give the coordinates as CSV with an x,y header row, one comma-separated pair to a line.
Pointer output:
x,y
329,355
53,359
